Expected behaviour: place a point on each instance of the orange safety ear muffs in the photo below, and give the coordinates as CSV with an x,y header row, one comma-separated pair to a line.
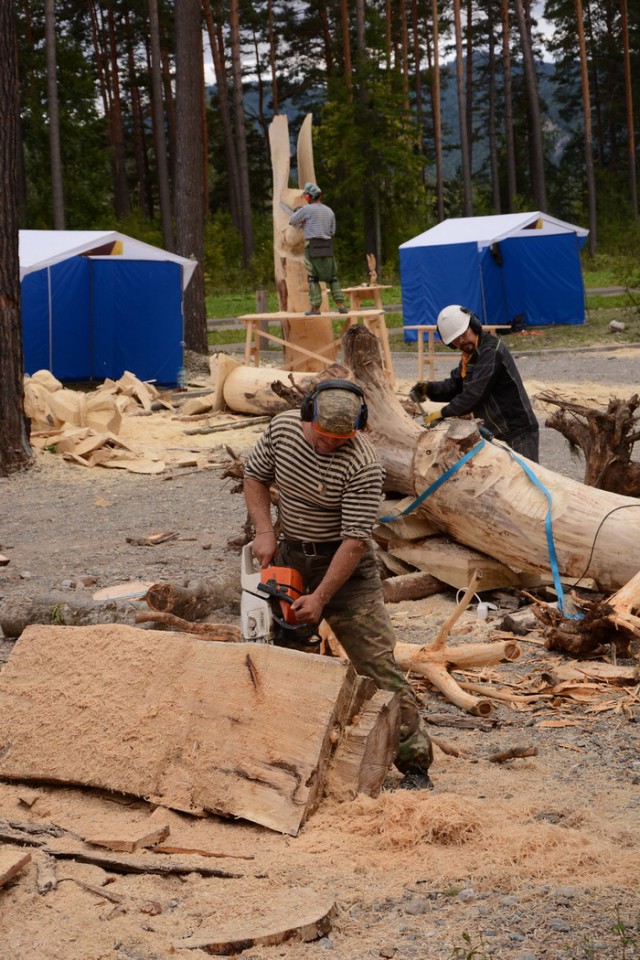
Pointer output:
x,y
308,405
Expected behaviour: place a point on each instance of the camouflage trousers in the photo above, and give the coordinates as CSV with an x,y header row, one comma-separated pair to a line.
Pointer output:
x,y
358,617
325,269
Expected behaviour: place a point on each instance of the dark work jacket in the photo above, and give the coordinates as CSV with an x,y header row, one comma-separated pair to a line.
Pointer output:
x,y
492,391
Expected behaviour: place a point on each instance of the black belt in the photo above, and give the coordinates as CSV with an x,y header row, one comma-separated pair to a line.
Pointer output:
x,y
310,548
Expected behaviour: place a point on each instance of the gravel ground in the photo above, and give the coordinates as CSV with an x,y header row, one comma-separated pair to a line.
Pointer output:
x,y
564,890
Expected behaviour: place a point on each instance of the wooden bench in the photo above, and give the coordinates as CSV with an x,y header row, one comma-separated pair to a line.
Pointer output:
x,y
256,324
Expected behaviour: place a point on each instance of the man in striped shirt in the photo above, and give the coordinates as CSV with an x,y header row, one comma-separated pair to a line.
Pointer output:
x,y
318,224
329,483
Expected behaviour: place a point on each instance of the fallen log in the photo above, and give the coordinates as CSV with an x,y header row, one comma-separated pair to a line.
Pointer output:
x,y
16,613
411,586
190,602
490,501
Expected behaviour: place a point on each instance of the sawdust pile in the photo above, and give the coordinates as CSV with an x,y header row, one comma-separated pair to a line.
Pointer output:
x,y
503,842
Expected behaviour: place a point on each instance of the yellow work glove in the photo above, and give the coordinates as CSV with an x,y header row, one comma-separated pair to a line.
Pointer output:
x,y
418,392
431,418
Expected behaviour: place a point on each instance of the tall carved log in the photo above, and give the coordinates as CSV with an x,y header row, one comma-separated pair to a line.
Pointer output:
x,y
316,333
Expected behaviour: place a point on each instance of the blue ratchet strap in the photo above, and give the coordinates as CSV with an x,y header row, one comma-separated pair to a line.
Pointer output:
x,y
553,557
434,486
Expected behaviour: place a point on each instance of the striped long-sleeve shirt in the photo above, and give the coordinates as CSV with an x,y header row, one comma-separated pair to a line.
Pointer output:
x,y
315,220
323,496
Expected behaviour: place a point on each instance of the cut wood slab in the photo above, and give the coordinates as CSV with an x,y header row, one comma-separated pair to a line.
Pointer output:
x,y
237,729
128,841
303,915
12,861
412,527
367,749
453,563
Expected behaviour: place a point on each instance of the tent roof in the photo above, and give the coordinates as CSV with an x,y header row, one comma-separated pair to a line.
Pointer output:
x,y
487,230
43,248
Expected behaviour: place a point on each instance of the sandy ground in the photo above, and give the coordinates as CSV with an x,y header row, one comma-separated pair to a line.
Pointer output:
x,y
529,859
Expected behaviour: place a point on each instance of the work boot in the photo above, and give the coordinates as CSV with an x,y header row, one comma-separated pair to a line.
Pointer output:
x,y
342,308
314,312
416,779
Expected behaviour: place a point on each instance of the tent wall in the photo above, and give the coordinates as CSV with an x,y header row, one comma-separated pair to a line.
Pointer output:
x,y
540,276
91,319
56,304
137,308
427,276
543,280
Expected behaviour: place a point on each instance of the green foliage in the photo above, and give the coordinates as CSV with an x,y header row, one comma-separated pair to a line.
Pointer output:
x,y
85,162
469,950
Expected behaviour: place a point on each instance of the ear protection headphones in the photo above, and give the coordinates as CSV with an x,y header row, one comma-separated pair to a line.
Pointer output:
x,y
308,405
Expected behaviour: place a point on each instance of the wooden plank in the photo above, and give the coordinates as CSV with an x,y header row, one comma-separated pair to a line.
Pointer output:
x,y
453,563
300,915
128,841
371,738
237,729
12,861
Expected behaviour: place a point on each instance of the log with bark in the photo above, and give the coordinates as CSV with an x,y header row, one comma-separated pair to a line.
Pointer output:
x,y
605,437
608,625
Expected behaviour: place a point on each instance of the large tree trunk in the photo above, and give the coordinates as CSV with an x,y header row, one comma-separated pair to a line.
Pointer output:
x,y
491,501
158,125
54,116
189,192
14,434
465,161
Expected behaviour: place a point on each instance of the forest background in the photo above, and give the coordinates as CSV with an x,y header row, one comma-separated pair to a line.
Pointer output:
x,y
423,109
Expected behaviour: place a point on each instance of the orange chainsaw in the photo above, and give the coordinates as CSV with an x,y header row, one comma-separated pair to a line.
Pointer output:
x,y
265,606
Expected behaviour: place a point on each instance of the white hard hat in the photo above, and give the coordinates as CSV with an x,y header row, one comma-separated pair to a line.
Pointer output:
x,y
453,321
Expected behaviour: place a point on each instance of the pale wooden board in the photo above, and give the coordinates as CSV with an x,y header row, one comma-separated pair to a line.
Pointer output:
x,y
453,563
299,914
237,729
12,861
129,841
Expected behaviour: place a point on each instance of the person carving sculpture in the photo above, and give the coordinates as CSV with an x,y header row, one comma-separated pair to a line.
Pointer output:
x,y
329,483
485,383
318,224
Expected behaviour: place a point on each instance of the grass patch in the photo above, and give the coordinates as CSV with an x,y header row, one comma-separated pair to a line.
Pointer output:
x,y
594,332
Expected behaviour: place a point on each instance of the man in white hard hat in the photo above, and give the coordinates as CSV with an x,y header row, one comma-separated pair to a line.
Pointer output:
x,y
318,224
485,383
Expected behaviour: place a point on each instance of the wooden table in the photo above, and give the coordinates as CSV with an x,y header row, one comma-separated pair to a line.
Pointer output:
x,y
372,319
431,330
366,291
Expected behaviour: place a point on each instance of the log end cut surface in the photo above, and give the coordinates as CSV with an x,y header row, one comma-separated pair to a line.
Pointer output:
x,y
302,916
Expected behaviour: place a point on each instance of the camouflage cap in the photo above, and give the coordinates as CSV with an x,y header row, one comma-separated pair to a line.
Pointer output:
x,y
312,189
337,412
